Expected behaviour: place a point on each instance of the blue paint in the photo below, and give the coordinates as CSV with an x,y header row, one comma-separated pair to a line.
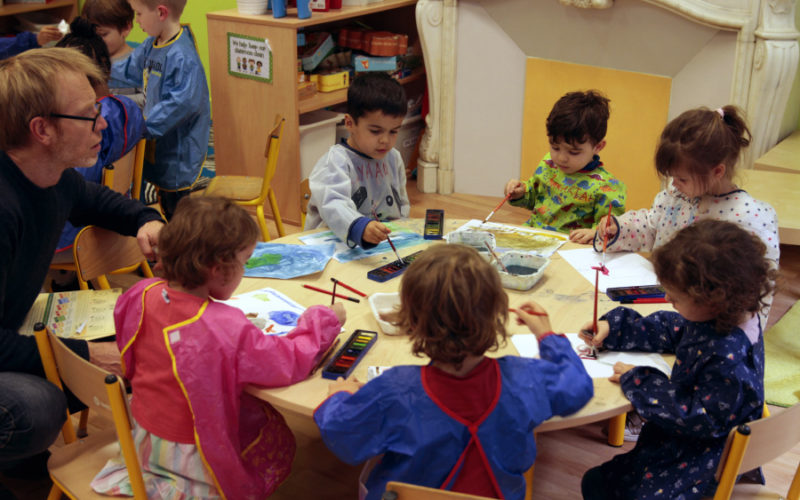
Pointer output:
x,y
285,318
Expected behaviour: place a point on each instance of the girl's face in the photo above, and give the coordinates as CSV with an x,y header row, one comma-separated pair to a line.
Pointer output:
x,y
687,307
225,279
688,184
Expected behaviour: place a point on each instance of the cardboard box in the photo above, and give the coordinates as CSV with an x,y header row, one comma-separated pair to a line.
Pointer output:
x,y
318,46
371,63
328,82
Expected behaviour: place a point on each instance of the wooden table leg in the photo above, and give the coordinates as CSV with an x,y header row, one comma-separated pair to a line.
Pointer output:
x,y
616,430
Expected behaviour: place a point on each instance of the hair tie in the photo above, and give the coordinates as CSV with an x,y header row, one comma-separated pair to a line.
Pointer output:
x,y
721,112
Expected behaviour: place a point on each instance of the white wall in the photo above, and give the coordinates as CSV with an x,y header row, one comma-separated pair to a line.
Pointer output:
x,y
496,36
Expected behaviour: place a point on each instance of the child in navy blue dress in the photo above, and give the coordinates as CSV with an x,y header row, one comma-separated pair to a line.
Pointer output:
x,y
716,276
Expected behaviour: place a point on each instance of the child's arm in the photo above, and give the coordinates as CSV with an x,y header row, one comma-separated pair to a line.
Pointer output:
x,y
11,46
726,393
131,68
367,423
332,194
399,183
637,229
629,331
274,361
183,95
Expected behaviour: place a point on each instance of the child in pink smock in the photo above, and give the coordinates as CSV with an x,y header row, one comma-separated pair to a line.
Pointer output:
x,y
189,359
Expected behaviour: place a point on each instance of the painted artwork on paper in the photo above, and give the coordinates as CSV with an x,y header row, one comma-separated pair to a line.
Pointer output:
x,y
401,237
271,311
282,261
524,239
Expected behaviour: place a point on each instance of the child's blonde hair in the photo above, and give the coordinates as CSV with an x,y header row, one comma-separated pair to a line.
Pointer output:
x,y
175,7
205,231
700,139
452,304
719,264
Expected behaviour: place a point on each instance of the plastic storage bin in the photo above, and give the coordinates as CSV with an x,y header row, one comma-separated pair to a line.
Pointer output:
x,y
317,135
385,303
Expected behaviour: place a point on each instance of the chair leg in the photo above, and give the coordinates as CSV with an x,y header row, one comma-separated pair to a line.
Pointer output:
x,y
55,493
273,202
83,424
262,223
616,430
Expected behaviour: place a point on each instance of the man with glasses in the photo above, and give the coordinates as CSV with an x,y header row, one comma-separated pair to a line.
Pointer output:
x,y
51,123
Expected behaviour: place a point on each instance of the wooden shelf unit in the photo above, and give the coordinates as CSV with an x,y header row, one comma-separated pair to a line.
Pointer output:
x,y
61,9
243,110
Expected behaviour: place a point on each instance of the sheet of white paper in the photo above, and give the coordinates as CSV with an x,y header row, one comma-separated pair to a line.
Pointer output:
x,y
624,268
603,366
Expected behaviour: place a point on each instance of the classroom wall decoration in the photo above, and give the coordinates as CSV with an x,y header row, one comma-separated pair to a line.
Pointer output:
x,y
249,57
639,107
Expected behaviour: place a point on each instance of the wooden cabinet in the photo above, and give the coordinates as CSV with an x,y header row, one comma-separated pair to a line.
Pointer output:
x,y
243,109
57,9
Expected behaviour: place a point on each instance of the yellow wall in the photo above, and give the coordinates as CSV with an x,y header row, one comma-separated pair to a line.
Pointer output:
x,y
639,106
194,14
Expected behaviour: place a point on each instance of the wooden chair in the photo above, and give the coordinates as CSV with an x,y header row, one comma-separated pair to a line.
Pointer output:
x,y
255,191
404,491
98,252
754,444
123,176
73,466
305,197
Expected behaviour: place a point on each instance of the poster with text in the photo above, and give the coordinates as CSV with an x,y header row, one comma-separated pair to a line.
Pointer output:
x,y
249,57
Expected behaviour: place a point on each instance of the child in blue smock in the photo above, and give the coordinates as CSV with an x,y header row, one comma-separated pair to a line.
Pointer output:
x,y
717,277
363,179
176,109
465,421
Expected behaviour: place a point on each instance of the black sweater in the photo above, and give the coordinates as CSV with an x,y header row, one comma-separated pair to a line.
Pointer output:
x,y
31,220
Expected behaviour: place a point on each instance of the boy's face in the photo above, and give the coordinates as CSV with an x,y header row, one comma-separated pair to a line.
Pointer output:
x,y
148,19
570,158
114,38
374,134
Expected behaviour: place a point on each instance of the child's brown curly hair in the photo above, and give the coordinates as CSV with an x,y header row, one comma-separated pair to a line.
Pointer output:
x,y
718,264
205,231
452,304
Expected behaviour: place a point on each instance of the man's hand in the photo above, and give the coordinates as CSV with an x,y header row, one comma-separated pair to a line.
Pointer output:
x,y
148,238
106,355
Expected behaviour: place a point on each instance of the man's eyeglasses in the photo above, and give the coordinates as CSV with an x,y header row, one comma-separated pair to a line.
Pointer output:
x,y
85,118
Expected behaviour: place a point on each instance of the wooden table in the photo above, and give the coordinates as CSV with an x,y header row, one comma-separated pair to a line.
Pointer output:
x,y
784,157
779,189
567,296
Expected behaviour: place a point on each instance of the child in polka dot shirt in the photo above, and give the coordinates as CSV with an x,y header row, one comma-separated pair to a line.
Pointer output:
x,y
698,150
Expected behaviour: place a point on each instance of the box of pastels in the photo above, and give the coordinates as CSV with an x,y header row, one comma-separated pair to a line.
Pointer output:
x,y
522,270
475,239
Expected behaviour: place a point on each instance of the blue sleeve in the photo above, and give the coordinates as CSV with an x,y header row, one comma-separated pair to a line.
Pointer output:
x,y
11,46
125,127
367,423
566,382
131,69
182,94
629,331
355,236
722,397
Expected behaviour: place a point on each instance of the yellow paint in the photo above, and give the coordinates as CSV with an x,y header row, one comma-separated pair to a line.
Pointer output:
x,y
639,106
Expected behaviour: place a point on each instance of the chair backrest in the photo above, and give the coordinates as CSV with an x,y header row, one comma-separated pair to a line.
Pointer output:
x,y
98,252
271,151
125,175
305,197
100,390
756,443
404,491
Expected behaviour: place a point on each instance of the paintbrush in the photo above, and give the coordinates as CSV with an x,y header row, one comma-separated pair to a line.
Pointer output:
x,y
605,240
387,238
496,208
495,256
